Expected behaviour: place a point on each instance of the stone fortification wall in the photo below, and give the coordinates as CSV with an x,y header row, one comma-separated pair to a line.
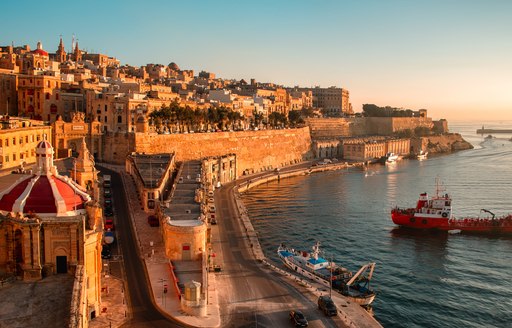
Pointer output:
x,y
389,125
117,146
329,128
254,150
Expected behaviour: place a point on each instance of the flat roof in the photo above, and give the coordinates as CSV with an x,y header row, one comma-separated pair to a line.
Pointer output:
x,y
151,168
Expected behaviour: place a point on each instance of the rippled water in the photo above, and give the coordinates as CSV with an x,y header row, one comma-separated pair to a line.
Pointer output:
x,y
433,280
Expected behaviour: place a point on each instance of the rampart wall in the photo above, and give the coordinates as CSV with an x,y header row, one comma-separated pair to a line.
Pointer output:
x,y
325,128
254,150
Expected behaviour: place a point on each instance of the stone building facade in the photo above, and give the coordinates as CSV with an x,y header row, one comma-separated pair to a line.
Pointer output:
x,y
18,141
68,136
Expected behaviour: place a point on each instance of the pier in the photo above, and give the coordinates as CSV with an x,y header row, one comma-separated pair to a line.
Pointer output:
x,y
489,131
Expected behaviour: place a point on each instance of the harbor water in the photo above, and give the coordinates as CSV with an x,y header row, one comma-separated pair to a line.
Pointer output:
x,y
422,280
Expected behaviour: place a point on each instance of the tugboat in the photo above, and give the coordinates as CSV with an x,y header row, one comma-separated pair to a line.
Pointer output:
x,y
356,287
436,213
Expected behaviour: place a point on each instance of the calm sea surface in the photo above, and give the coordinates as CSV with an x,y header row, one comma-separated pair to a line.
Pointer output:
x,y
434,280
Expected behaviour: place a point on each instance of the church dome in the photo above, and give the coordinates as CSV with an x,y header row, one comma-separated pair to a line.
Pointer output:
x,y
45,193
174,66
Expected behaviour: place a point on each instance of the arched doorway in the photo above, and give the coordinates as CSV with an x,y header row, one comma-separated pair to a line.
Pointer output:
x,y
18,251
61,261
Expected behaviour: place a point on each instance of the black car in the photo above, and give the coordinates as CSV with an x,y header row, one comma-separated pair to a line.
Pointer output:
x,y
108,202
106,253
108,211
327,306
298,319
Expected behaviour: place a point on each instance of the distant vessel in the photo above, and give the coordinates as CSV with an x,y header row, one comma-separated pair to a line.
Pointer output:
x,y
390,157
422,155
436,213
310,265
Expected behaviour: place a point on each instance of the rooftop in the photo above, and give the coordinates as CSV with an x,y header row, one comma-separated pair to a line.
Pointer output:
x,y
152,168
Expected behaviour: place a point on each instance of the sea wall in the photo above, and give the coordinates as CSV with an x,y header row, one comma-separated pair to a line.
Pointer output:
x,y
255,150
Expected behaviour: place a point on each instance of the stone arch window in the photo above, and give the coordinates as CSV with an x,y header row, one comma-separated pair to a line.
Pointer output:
x,y
47,96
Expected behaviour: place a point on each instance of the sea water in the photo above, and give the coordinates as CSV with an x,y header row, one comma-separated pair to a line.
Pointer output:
x,y
422,280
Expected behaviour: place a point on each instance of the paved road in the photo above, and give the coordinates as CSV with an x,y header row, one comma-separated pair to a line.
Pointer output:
x,y
250,295
142,311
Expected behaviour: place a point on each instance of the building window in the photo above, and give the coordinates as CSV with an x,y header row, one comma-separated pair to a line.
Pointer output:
x,y
119,119
47,95
57,96
7,159
13,141
14,157
38,137
106,107
105,119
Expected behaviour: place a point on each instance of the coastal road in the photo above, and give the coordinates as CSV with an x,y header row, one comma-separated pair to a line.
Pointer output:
x,y
251,295
143,313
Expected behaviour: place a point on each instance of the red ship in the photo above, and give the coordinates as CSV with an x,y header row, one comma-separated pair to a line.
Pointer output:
x,y
436,213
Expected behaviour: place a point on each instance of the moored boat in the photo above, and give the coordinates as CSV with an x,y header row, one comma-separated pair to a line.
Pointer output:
x,y
391,157
436,213
422,155
356,287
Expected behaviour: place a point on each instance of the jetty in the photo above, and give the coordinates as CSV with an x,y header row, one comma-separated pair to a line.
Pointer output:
x,y
489,131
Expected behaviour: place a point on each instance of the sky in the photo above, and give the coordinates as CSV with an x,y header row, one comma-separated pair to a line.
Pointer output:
x,y
452,57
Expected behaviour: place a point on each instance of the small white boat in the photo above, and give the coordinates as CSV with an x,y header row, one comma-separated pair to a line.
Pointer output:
x,y
391,157
422,155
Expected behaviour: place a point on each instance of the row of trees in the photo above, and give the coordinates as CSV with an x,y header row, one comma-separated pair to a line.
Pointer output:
x,y
176,118
372,110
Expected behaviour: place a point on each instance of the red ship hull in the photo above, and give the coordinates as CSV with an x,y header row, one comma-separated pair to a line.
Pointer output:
x,y
411,219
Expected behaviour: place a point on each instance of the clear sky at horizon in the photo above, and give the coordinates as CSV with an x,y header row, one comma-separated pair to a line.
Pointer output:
x,y
453,57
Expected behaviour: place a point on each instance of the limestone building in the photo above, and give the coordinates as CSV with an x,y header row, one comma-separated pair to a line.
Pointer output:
x,y
18,140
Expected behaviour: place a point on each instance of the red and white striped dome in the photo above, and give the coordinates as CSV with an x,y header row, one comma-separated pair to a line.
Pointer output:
x,y
46,193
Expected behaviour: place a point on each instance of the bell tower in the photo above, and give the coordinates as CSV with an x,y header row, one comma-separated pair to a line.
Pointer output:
x,y
61,53
77,53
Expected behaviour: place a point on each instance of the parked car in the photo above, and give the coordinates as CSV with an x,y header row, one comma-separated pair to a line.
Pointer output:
x,y
153,221
210,193
109,224
107,193
108,202
211,208
327,306
108,211
213,221
106,253
298,318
